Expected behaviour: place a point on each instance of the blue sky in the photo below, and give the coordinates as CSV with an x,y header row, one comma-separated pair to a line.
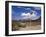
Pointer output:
x,y
21,12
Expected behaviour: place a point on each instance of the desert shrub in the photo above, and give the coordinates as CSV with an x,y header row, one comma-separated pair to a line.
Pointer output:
x,y
17,25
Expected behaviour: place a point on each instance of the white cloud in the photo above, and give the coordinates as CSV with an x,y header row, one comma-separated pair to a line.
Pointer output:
x,y
25,14
37,8
30,16
34,13
34,18
19,7
27,8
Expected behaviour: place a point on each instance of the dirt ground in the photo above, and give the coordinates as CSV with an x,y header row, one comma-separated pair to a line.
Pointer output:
x,y
30,26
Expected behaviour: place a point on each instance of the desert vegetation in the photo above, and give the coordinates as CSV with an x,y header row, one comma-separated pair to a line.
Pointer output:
x,y
26,25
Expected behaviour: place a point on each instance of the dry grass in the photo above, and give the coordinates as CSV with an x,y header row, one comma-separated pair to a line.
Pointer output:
x,y
26,26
